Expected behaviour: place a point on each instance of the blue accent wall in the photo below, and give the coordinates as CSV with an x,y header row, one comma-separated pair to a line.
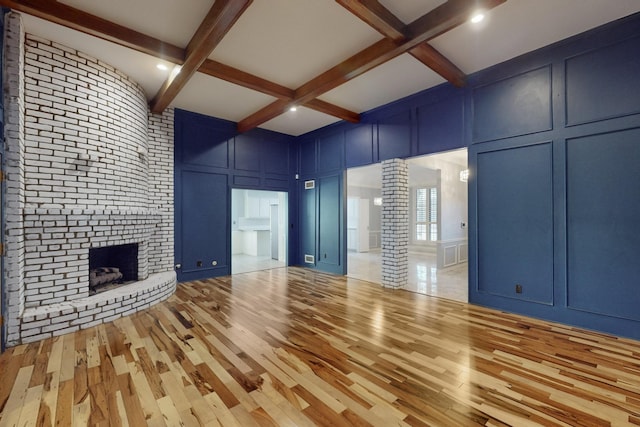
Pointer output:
x,y
554,143
211,158
554,200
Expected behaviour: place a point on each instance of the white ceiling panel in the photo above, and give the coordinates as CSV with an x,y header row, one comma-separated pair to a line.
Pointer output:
x,y
520,26
389,82
171,21
299,122
215,97
292,41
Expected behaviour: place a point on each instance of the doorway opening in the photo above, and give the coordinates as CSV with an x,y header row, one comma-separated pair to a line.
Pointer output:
x,y
364,215
258,230
438,217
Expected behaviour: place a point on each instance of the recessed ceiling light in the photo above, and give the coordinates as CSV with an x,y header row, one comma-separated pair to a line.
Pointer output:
x,y
162,67
477,17
294,108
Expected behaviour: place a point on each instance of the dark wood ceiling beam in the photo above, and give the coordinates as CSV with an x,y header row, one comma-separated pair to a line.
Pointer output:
x,y
241,78
271,111
333,110
377,16
87,23
221,17
380,18
439,63
440,20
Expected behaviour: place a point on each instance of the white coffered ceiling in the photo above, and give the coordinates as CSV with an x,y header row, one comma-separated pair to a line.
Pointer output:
x,y
289,42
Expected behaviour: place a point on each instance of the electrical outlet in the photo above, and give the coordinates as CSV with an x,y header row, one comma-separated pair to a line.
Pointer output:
x,y
518,288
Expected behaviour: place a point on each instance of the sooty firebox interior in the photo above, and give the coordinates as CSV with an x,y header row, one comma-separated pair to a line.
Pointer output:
x,y
112,266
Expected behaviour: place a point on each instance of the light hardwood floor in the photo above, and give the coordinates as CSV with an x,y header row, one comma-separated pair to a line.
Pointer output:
x,y
293,347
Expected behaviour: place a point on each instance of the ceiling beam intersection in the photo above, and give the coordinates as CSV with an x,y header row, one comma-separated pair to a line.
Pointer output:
x,y
93,25
221,17
380,18
434,23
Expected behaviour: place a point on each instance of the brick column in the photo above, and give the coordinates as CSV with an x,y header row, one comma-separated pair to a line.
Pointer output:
x,y
395,223
14,150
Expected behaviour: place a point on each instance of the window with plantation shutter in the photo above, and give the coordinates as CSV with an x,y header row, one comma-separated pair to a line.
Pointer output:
x,y
426,214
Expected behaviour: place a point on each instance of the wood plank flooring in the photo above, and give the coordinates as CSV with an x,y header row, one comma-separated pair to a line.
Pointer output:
x,y
293,347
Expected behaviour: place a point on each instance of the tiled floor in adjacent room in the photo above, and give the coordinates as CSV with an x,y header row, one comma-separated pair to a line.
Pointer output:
x,y
424,275
242,263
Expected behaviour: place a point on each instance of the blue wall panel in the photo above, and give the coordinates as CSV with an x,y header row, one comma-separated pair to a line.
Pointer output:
x,y
208,145
518,105
242,181
515,222
359,146
331,152
441,125
608,76
247,154
394,136
206,141
275,156
308,154
603,214
275,184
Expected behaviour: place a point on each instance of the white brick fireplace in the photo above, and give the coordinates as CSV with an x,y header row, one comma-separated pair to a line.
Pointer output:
x,y
87,166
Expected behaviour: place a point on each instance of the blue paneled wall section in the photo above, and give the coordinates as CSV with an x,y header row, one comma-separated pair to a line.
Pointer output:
x,y
426,123
554,150
210,159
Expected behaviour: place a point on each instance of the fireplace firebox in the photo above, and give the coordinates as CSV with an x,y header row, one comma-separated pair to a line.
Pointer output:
x,y
112,266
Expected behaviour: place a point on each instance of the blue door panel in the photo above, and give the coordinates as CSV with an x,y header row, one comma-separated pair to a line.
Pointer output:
x,y
603,211
203,223
329,216
515,222
308,216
